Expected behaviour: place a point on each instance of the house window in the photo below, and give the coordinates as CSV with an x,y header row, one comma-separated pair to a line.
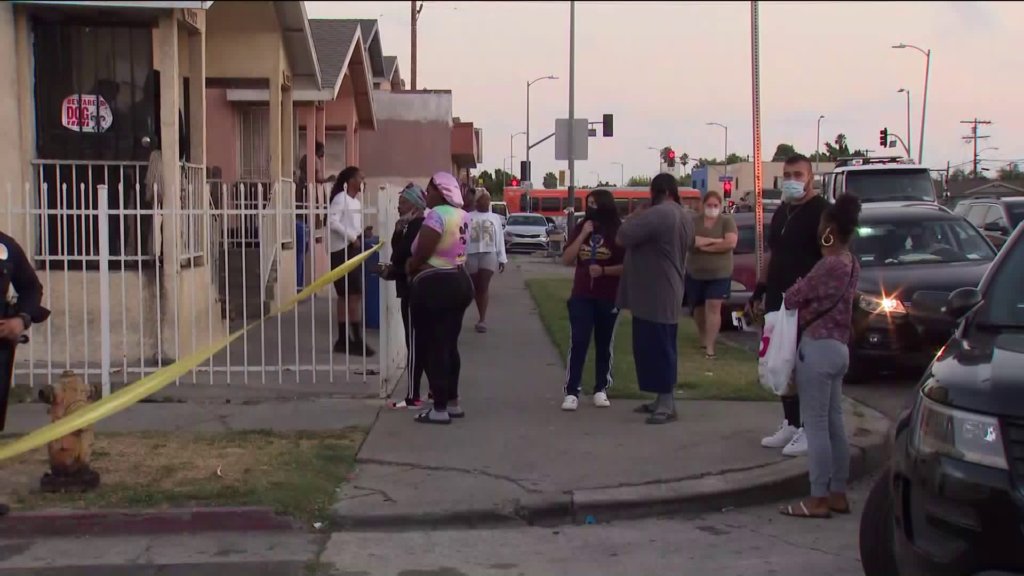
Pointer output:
x,y
254,143
96,114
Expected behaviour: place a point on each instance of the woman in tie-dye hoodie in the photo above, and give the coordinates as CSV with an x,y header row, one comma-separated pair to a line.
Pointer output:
x,y
441,291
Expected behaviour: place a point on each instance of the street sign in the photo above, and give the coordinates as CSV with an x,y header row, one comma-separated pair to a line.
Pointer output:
x,y
725,178
561,177
526,185
580,132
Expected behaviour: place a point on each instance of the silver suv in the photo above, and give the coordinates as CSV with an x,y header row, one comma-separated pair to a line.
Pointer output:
x,y
879,179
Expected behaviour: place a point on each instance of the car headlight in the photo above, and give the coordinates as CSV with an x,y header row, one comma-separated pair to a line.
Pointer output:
x,y
881,305
957,434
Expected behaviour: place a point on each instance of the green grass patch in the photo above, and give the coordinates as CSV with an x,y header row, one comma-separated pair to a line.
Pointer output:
x,y
731,376
295,473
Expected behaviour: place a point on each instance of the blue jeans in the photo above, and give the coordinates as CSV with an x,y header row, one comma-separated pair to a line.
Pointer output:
x,y
586,316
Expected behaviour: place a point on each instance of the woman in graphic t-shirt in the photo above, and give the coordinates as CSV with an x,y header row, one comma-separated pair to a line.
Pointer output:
x,y
598,261
709,269
486,252
440,292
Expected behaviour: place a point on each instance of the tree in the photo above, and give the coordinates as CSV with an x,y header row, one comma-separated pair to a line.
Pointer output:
x,y
838,149
958,175
686,180
496,184
1011,171
550,181
639,181
783,151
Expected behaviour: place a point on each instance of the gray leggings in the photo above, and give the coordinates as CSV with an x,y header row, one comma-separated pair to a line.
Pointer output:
x,y
820,367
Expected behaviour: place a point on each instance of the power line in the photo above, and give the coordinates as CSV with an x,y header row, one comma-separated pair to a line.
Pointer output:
x,y
973,137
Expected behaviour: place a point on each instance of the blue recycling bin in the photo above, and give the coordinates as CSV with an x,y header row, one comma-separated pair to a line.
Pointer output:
x,y
301,248
371,286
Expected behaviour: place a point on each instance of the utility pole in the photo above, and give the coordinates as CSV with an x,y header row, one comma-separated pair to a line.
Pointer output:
x,y
973,137
415,17
570,221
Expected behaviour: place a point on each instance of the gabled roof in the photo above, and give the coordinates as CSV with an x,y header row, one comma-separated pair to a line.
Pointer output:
x,y
390,67
371,40
334,41
298,42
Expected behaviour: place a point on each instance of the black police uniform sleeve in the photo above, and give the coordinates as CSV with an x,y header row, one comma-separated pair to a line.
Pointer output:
x,y
26,283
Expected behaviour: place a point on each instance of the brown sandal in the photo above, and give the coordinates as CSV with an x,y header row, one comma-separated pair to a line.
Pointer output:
x,y
802,512
844,508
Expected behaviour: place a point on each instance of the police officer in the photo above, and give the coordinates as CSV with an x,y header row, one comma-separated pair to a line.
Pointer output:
x,y
17,315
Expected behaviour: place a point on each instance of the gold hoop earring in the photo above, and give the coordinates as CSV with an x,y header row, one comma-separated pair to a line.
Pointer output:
x,y
828,240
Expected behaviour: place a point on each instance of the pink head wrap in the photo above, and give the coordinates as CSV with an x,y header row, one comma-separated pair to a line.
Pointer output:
x,y
449,187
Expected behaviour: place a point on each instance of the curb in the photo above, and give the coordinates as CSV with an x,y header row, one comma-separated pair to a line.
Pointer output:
x,y
869,451
142,522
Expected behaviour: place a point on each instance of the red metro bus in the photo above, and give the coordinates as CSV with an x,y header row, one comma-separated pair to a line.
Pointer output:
x,y
553,203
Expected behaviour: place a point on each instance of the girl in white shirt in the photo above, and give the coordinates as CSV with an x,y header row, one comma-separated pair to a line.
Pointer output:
x,y
485,253
345,222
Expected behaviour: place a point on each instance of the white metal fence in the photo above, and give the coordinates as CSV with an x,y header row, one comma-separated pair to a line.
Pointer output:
x,y
135,283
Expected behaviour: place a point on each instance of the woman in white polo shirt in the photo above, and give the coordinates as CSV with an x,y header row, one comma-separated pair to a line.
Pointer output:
x,y
485,253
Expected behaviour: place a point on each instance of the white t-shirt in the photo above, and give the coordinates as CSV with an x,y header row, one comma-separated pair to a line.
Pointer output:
x,y
486,235
345,219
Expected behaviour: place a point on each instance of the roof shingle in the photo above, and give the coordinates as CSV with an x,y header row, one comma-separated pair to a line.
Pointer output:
x,y
333,40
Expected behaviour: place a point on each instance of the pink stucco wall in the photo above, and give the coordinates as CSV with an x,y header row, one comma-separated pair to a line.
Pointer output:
x,y
221,133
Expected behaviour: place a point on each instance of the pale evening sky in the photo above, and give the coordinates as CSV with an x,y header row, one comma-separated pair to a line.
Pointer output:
x,y
664,69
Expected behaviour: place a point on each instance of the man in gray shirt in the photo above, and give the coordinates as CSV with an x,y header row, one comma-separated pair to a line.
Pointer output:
x,y
656,240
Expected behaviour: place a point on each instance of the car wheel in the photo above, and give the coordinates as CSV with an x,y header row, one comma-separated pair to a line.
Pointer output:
x,y
877,529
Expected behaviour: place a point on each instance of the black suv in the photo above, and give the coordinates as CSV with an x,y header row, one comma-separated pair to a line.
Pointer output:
x,y
996,217
952,501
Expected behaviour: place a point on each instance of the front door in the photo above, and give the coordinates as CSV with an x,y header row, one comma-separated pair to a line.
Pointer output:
x,y
97,119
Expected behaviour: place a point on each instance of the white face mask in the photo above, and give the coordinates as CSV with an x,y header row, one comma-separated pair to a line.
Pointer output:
x,y
712,212
792,190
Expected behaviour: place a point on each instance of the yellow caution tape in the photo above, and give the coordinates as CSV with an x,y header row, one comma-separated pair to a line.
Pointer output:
x,y
154,382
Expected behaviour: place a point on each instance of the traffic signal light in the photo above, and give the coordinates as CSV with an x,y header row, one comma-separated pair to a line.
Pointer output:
x,y
670,157
607,125
883,137
727,189
515,182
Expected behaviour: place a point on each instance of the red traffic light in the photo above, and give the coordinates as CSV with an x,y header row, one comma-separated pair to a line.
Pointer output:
x,y
727,188
671,154
515,183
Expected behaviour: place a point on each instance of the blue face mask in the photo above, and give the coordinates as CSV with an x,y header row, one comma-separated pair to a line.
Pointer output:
x,y
792,190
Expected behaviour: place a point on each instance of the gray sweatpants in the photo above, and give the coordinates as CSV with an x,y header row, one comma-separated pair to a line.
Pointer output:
x,y
820,367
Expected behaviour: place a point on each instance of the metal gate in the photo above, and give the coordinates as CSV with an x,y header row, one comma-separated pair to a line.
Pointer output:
x,y
232,260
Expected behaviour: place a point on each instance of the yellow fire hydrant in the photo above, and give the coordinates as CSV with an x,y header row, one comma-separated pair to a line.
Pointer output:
x,y
69,455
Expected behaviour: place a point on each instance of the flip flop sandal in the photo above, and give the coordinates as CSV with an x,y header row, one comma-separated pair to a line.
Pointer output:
x,y
661,418
424,418
845,510
710,356
644,409
801,512
460,414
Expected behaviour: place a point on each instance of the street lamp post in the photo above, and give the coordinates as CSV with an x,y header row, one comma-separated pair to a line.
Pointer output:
x,y
901,90
725,165
528,84
658,150
622,173
598,174
817,146
511,153
924,100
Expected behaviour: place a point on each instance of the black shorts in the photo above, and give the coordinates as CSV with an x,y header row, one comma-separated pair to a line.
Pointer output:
x,y
354,279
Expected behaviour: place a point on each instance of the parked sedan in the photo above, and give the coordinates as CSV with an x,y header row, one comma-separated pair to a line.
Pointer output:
x,y
744,264
526,232
912,256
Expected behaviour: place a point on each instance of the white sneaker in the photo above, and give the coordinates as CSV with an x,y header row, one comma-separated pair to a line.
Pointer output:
x,y
601,400
570,403
782,437
798,446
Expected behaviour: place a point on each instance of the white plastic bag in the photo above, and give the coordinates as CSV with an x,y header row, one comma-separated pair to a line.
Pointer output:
x,y
777,356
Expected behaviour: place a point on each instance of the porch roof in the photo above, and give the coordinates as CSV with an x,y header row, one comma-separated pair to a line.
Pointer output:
x,y
298,43
391,69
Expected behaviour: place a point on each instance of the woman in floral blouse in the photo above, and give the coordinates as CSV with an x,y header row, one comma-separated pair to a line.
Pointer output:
x,y
824,299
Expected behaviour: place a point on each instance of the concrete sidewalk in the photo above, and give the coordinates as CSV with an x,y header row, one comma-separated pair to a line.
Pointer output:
x,y
517,457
